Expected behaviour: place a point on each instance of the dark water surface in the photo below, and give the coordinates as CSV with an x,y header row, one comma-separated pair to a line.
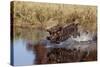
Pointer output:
x,y
25,55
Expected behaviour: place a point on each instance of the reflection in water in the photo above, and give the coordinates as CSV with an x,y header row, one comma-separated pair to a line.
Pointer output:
x,y
30,34
24,52
22,56
33,48
41,54
28,53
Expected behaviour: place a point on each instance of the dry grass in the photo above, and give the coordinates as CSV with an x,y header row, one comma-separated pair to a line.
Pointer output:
x,y
43,15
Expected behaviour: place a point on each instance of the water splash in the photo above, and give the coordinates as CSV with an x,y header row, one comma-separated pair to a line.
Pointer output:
x,y
84,36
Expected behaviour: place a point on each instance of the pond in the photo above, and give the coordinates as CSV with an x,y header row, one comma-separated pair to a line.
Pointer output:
x,y
24,53
22,56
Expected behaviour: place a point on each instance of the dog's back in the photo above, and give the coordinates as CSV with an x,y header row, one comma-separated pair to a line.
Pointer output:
x,y
63,33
